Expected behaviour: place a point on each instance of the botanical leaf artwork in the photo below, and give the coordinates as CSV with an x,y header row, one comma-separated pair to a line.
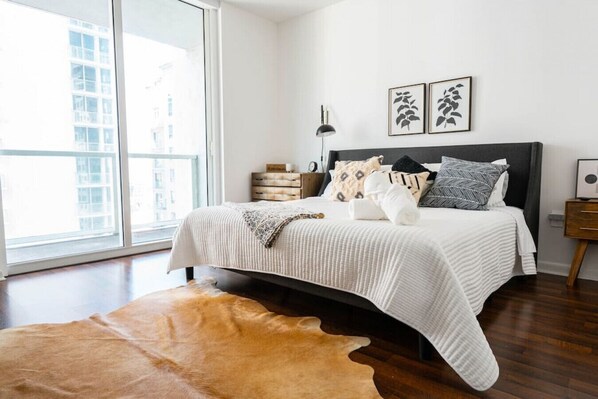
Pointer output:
x,y
448,106
405,109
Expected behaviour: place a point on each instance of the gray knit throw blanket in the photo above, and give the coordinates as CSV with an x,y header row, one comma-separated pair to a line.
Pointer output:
x,y
266,220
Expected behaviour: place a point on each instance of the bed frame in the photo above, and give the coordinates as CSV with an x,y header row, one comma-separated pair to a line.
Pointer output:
x,y
525,174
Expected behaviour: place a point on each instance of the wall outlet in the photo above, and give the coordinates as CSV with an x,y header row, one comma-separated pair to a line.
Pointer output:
x,y
556,218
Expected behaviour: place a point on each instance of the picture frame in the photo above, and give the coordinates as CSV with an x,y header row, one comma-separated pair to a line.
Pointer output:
x,y
450,106
407,110
587,179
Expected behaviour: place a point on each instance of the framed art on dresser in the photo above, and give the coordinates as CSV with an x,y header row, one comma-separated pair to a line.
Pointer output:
x,y
587,179
407,110
450,106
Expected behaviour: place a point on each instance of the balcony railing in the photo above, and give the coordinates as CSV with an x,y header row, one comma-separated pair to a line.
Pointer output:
x,y
62,241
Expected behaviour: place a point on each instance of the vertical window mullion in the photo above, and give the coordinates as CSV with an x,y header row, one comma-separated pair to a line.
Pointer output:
x,y
214,195
123,158
3,260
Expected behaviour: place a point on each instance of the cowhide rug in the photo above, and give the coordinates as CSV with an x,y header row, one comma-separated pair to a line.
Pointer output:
x,y
188,342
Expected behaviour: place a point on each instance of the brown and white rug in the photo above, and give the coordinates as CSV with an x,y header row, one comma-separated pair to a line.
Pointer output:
x,y
188,342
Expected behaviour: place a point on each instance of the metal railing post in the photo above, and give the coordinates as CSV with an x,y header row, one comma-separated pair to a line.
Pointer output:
x,y
195,181
3,258
115,196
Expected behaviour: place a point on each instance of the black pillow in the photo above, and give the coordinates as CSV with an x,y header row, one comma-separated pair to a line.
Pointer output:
x,y
408,165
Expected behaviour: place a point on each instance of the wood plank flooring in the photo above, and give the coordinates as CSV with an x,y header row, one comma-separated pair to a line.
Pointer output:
x,y
545,336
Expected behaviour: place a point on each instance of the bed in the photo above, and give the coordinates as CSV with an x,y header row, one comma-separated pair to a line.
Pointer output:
x,y
434,276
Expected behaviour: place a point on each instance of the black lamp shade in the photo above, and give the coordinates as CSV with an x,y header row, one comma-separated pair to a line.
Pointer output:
x,y
325,131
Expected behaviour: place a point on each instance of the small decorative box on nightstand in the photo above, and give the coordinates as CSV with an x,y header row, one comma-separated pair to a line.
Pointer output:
x,y
581,222
285,186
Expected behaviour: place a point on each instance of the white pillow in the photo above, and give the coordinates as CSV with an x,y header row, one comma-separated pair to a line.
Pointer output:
x,y
500,188
432,167
328,190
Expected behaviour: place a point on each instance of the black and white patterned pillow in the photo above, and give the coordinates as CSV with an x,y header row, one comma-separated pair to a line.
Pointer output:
x,y
463,184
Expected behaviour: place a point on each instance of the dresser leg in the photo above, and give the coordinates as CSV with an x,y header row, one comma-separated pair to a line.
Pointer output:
x,y
580,252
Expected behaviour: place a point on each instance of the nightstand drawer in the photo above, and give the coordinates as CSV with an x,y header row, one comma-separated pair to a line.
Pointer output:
x,y
276,179
582,220
275,193
584,229
582,211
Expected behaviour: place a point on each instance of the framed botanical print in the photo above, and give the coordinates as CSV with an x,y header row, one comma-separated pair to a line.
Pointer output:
x,y
407,110
450,106
587,179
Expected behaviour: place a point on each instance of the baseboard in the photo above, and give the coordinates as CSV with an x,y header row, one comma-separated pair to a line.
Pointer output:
x,y
562,269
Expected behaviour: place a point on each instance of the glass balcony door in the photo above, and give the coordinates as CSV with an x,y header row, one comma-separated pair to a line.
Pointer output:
x,y
58,156
165,101
70,137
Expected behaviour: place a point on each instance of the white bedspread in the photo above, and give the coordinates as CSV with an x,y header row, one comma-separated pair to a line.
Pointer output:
x,y
434,276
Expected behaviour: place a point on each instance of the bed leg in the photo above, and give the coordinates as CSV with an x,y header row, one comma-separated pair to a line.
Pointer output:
x,y
425,348
189,273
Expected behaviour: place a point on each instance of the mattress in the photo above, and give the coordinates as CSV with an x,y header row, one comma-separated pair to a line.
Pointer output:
x,y
434,276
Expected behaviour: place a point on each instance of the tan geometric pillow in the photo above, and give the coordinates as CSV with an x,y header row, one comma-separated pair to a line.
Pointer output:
x,y
349,177
415,182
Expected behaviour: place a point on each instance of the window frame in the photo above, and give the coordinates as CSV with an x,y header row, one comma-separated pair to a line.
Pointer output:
x,y
213,157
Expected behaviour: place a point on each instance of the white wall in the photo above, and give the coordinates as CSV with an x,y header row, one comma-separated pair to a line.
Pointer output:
x,y
535,77
250,98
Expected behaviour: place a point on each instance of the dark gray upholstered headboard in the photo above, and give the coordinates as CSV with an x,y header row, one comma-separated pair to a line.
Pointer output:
x,y
525,170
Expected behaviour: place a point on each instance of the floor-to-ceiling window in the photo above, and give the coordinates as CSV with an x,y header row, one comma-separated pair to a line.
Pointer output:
x,y
165,87
102,124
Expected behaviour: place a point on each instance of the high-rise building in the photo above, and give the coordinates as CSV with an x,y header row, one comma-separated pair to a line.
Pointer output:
x,y
94,124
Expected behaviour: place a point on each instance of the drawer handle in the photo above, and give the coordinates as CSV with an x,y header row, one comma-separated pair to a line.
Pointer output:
x,y
593,212
258,192
259,178
588,228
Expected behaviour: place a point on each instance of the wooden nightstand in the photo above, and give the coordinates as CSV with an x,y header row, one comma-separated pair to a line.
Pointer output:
x,y
581,222
284,186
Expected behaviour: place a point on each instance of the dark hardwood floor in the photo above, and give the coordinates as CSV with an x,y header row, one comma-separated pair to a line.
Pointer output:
x,y
545,336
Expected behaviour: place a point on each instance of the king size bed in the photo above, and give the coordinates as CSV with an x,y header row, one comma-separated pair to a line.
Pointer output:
x,y
433,276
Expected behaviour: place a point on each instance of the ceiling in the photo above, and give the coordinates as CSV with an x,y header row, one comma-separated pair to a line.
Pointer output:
x,y
280,10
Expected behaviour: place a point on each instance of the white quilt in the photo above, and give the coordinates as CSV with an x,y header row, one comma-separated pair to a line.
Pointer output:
x,y
434,276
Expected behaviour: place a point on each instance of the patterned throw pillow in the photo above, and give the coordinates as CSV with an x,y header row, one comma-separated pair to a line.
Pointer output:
x,y
463,184
415,182
349,177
